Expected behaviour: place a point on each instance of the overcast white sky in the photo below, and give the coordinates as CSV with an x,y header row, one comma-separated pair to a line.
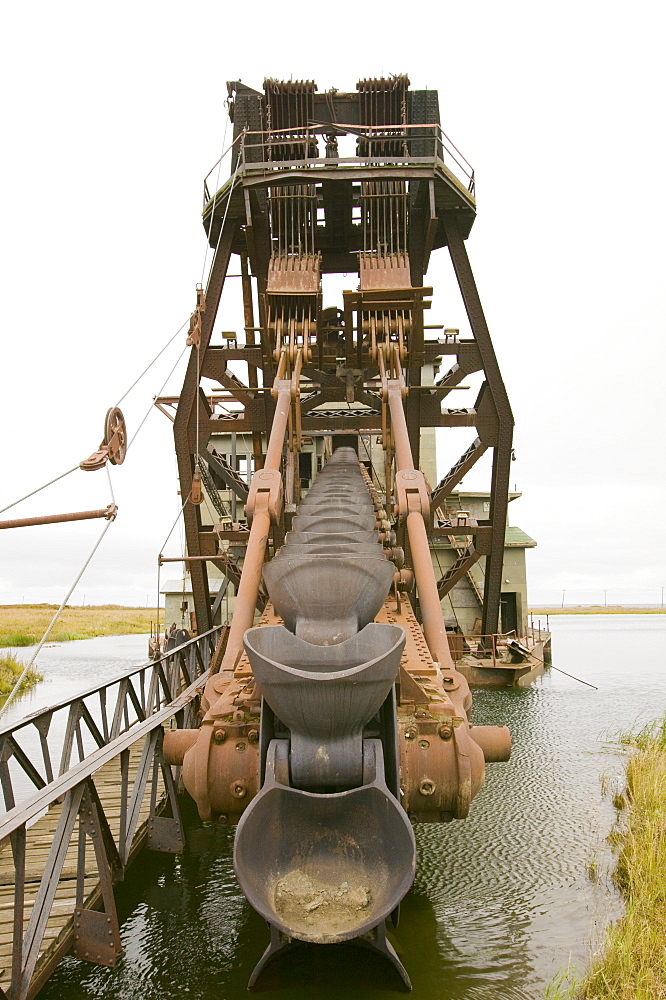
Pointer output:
x,y
113,114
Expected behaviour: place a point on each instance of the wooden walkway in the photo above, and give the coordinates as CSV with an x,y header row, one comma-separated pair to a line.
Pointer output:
x,y
59,936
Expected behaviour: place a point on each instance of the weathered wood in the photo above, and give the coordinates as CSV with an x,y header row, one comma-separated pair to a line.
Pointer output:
x,y
59,928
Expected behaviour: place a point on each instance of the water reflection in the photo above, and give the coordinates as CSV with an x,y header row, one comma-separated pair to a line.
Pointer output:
x,y
501,901
71,667
68,668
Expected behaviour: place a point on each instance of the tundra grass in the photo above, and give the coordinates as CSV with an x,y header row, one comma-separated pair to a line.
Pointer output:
x,y
24,624
10,671
594,609
632,965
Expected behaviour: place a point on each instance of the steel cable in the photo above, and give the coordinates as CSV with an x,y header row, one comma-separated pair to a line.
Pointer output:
x,y
217,191
28,665
152,405
39,489
158,355
136,381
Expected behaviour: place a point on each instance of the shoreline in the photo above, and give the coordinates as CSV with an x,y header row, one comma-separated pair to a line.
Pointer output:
x,y
632,957
586,610
10,670
24,624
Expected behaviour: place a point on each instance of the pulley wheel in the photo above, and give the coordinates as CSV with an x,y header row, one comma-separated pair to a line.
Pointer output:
x,y
114,425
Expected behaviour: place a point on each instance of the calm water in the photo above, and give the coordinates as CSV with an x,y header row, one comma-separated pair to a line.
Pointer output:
x,y
501,902
71,667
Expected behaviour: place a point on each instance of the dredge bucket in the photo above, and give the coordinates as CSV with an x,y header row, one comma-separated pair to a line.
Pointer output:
x,y
327,600
325,695
325,852
324,868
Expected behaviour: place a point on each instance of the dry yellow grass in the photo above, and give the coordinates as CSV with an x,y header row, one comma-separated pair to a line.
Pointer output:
x,y
633,964
24,624
597,609
10,671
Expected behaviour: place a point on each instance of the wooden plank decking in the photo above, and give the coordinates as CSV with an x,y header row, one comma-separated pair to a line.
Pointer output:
x,y
59,929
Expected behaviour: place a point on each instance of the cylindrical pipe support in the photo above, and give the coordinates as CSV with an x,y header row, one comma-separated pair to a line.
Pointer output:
x,y
82,515
434,627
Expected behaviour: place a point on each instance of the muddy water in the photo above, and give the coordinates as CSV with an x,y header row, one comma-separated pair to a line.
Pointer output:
x,y
501,902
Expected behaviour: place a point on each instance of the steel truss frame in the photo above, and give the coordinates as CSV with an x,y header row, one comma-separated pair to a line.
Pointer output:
x,y
246,231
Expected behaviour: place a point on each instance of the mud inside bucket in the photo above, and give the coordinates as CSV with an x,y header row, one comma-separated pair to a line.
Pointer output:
x,y
324,868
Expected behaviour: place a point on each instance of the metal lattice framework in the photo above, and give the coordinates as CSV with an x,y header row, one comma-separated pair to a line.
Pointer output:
x,y
414,192
295,209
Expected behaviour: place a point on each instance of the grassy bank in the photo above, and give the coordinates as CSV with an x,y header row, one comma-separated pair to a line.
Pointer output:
x,y
597,610
633,963
10,671
24,624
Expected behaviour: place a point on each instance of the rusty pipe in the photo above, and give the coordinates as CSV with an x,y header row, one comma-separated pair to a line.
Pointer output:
x,y
278,428
434,628
246,596
188,559
252,381
255,553
403,449
176,744
82,515
495,741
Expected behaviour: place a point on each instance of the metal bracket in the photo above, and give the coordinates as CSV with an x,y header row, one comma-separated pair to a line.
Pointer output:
x,y
267,484
194,332
165,834
96,934
411,494
96,937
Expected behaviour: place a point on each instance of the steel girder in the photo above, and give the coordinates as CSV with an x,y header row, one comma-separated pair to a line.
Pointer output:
x,y
183,428
499,489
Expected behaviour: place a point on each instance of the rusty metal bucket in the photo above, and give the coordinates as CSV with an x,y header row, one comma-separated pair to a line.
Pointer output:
x,y
325,537
332,523
332,547
327,600
334,506
360,837
325,695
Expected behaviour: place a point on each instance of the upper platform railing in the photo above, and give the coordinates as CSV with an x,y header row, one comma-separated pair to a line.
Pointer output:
x,y
381,146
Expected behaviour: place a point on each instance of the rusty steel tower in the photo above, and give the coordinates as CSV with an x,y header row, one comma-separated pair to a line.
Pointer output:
x,y
341,716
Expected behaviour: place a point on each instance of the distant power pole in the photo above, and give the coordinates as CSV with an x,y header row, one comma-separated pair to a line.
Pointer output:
x,y
563,593
605,592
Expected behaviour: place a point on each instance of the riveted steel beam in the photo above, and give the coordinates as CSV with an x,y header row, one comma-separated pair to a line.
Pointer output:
x,y
499,490
186,411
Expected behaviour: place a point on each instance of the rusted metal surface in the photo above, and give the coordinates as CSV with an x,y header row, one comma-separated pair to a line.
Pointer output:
x,y
114,443
82,515
194,331
185,441
341,694
499,490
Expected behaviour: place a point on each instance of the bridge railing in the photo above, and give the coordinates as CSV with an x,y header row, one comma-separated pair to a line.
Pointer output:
x,y
42,746
99,791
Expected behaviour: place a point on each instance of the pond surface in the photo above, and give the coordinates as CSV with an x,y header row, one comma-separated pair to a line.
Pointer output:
x,y
502,901
68,668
